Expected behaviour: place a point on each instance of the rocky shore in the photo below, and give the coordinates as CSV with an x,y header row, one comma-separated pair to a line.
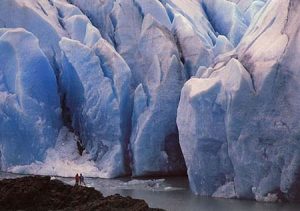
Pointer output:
x,y
42,193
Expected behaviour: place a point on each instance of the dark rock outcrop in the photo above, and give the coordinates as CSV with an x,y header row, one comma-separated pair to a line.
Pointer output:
x,y
42,193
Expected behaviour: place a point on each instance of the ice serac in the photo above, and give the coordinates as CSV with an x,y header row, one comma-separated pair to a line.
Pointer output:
x,y
253,101
249,8
201,122
253,9
199,43
99,14
222,46
115,68
226,19
196,47
29,102
193,11
37,17
93,105
154,141
127,33
112,65
244,5
76,24
275,76
156,10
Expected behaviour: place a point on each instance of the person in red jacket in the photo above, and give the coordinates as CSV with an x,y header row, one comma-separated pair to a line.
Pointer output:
x,y
77,179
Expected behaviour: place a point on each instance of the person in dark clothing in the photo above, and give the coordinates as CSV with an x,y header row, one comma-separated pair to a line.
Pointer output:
x,y
77,179
82,180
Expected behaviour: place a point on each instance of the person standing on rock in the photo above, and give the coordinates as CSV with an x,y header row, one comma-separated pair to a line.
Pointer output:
x,y
77,179
82,180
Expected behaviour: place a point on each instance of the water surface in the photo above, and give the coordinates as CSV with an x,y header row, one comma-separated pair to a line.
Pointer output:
x,y
172,194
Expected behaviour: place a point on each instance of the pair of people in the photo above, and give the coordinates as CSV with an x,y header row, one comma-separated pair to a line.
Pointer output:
x,y
79,180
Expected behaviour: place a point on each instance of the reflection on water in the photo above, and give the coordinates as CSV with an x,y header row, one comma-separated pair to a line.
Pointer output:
x,y
172,194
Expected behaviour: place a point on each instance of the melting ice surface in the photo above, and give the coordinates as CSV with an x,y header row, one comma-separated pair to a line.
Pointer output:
x,y
171,194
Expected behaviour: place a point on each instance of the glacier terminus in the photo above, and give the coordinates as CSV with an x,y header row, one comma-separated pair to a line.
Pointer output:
x,y
203,88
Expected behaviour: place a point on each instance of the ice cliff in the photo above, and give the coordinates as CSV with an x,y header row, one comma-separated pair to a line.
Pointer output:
x,y
154,87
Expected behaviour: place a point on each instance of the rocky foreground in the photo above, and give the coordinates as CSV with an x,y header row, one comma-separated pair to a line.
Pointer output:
x,y
42,193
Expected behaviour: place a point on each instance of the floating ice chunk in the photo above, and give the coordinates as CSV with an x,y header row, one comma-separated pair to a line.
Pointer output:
x,y
143,182
225,191
136,184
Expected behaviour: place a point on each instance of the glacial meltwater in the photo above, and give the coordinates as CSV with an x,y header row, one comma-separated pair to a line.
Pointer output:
x,y
171,194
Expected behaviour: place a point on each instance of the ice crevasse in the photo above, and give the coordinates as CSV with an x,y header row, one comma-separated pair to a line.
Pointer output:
x,y
206,88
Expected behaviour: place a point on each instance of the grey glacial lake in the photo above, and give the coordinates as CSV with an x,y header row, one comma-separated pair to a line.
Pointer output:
x,y
172,194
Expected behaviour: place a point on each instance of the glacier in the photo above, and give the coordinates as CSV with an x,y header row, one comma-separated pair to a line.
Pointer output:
x,y
244,126
29,104
207,88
